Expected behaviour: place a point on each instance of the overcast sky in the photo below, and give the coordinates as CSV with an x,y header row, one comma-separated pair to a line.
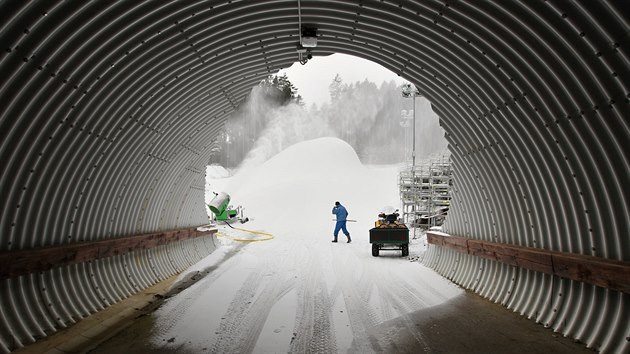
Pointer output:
x,y
312,79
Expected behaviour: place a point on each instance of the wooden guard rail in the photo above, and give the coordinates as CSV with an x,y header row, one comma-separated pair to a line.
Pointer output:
x,y
16,263
602,272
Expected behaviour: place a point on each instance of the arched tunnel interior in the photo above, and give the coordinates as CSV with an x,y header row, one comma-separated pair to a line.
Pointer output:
x,y
110,111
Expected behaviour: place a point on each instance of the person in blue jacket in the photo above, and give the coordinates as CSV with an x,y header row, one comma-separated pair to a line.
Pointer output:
x,y
342,215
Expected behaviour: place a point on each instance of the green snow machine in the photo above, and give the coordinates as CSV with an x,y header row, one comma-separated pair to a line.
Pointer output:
x,y
221,208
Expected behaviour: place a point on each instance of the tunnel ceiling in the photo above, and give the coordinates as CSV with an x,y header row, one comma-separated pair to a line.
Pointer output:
x,y
110,109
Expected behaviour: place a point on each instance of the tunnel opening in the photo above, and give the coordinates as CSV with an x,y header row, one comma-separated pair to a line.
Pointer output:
x,y
351,98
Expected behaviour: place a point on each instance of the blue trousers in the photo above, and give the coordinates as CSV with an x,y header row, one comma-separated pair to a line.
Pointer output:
x,y
341,225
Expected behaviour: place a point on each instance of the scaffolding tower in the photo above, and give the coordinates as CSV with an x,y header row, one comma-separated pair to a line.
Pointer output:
x,y
425,191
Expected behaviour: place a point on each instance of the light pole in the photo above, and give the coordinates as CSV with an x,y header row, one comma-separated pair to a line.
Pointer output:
x,y
409,90
405,124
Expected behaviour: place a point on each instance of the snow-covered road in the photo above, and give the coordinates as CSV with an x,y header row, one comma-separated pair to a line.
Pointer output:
x,y
295,294
298,292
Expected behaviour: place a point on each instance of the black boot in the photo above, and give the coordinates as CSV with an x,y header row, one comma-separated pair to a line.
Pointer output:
x,y
335,239
349,239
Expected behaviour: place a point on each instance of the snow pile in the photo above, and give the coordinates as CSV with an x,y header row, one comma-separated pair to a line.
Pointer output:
x,y
216,172
295,190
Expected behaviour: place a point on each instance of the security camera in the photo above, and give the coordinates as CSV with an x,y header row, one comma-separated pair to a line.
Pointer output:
x,y
309,37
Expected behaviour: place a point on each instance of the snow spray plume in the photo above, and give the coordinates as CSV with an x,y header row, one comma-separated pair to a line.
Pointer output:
x,y
248,122
365,116
286,126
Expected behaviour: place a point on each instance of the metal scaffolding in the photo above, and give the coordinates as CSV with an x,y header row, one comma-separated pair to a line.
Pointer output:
x,y
425,191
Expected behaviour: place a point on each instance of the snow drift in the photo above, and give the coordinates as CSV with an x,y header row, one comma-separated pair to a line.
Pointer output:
x,y
297,188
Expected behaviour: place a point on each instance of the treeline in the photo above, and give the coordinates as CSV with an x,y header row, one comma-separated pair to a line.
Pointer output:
x,y
374,120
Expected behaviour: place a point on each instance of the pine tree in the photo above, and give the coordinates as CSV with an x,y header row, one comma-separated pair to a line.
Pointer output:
x,y
336,88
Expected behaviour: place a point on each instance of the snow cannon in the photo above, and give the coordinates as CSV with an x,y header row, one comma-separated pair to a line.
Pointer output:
x,y
220,206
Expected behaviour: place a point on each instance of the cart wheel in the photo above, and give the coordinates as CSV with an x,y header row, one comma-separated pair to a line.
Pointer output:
x,y
374,250
405,250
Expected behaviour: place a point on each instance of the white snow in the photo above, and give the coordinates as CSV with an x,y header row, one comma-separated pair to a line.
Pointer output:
x,y
299,292
216,172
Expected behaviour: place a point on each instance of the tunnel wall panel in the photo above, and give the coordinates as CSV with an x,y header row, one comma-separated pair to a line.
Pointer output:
x,y
36,305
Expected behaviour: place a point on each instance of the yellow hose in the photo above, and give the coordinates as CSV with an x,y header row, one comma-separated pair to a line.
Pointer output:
x,y
270,236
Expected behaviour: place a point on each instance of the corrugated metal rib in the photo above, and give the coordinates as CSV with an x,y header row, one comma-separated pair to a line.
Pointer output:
x,y
111,109
38,304
559,218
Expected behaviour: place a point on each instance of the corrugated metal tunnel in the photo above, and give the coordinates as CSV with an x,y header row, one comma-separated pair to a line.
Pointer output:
x,y
110,109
